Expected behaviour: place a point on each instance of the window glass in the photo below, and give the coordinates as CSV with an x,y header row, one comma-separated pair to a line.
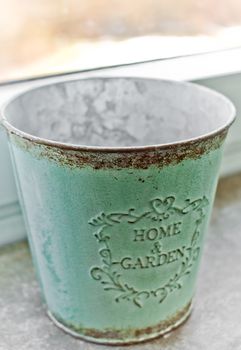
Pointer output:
x,y
41,37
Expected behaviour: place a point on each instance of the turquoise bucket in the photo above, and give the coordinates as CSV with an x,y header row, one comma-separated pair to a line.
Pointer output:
x,y
116,178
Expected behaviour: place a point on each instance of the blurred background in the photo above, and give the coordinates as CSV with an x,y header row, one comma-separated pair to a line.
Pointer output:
x,y
55,36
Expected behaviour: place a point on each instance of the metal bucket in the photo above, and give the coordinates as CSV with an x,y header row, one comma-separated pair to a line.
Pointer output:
x,y
117,178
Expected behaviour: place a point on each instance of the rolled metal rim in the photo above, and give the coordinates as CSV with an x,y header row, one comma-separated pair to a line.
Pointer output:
x,y
74,147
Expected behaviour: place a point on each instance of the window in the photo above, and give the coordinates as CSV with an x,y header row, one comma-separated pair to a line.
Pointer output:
x,y
54,36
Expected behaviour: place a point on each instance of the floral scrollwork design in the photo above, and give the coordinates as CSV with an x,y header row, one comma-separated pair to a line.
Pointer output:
x,y
159,210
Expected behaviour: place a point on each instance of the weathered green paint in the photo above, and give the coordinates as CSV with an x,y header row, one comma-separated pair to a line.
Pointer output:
x,y
116,225
170,154
61,201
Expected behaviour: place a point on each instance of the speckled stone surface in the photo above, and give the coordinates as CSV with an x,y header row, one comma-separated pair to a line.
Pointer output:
x,y
214,323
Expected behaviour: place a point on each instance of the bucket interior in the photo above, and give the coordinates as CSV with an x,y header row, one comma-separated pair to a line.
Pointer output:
x,y
119,112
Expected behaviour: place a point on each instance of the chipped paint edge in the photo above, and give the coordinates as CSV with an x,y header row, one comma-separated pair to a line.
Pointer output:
x,y
122,337
159,156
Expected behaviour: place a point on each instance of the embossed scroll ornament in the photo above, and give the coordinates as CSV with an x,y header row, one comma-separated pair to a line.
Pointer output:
x,y
111,276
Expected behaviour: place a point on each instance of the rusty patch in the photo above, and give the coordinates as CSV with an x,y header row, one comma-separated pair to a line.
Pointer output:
x,y
129,336
138,158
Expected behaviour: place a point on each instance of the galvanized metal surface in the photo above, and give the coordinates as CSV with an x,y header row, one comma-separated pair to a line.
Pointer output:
x,y
214,323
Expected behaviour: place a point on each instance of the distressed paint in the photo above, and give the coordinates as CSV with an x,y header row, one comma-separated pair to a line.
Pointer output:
x,y
60,201
134,158
117,234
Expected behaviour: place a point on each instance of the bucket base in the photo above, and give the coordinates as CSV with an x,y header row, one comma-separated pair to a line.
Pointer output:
x,y
121,338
